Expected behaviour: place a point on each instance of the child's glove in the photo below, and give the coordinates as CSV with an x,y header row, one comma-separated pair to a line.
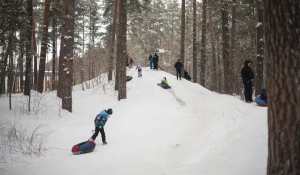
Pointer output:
x,y
100,127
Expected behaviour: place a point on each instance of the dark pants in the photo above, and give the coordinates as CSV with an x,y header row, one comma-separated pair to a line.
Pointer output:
x,y
248,91
178,74
97,130
155,66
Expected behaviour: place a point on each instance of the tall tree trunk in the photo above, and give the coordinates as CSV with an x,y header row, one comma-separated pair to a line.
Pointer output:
x,y
214,61
118,61
225,49
194,42
203,45
182,42
121,48
67,44
6,55
53,52
233,48
219,67
283,69
113,39
28,73
34,49
259,48
43,47
21,66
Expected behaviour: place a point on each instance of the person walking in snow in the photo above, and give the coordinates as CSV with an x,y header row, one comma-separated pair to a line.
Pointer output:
x,y
139,68
178,65
247,76
100,122
150,60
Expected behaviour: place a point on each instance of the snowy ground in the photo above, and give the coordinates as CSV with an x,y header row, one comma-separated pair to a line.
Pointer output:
x,y
187,130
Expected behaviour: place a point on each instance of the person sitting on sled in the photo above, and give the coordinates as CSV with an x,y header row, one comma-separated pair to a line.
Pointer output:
x,y
139,68
164,82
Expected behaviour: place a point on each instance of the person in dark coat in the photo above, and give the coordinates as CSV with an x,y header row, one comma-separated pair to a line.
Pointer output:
x,y
178,65
247,76
155,61
100,121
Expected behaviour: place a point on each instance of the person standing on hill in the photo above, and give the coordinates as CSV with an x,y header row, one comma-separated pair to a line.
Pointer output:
x,y
178,65
155,61
151,61
247,76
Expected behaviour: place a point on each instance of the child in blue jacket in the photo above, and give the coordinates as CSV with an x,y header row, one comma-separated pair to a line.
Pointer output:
x,y
100,121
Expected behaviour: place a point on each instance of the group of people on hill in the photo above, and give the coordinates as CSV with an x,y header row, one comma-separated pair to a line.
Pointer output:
x,y
154,60
246,73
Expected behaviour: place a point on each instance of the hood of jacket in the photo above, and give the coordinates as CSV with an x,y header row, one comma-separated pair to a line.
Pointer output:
x,y
246,63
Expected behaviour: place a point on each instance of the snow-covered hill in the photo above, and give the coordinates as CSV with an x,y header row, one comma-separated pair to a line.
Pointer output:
x,y
186,130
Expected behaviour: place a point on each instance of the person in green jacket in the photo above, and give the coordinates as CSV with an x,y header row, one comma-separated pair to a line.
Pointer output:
x,y
164,82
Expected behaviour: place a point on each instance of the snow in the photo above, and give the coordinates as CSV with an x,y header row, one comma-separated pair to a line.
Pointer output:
x,y
186,130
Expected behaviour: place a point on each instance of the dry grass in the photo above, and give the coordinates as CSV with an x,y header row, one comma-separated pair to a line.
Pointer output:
x,y
15,139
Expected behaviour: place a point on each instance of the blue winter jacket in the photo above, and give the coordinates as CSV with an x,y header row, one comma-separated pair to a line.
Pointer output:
x,y
101,119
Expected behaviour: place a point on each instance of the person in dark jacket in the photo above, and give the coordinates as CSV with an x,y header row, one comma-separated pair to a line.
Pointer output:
x,y
155,61
247,76
178,65
100,121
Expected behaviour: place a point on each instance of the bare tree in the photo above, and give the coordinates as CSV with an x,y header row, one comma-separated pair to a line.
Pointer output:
x,y
203,45
113,40
66,55
43,47
121,49
182,35
260,48
225,49
28,73
214,61
194,42
283,65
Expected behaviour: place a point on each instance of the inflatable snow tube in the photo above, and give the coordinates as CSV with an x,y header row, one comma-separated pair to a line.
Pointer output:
x,y
128,78
260,102
84,147
164,86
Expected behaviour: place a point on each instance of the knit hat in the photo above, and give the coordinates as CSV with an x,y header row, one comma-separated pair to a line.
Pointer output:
x,y
109,111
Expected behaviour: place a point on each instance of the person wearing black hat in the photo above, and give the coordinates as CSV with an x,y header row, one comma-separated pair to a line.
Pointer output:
x,y
247,76
100,121
178,65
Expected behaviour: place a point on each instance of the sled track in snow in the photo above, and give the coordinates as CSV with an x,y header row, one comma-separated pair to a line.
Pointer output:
x,y
179,100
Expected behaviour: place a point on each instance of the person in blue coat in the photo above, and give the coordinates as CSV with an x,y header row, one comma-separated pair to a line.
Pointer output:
x,y
100,122
150,60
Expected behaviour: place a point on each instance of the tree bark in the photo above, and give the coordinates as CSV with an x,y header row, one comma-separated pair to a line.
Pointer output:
x,y
34,49
259,48
225,49
121,48
113,39
194,42
28,73
66,54
182,41
214,61
53,52
283,69
203,45
43,47
233,57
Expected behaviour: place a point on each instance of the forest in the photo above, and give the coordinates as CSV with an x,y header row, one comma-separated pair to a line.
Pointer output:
x,y
52,45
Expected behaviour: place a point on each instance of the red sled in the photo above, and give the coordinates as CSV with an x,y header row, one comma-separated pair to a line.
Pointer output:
x,y
84,147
